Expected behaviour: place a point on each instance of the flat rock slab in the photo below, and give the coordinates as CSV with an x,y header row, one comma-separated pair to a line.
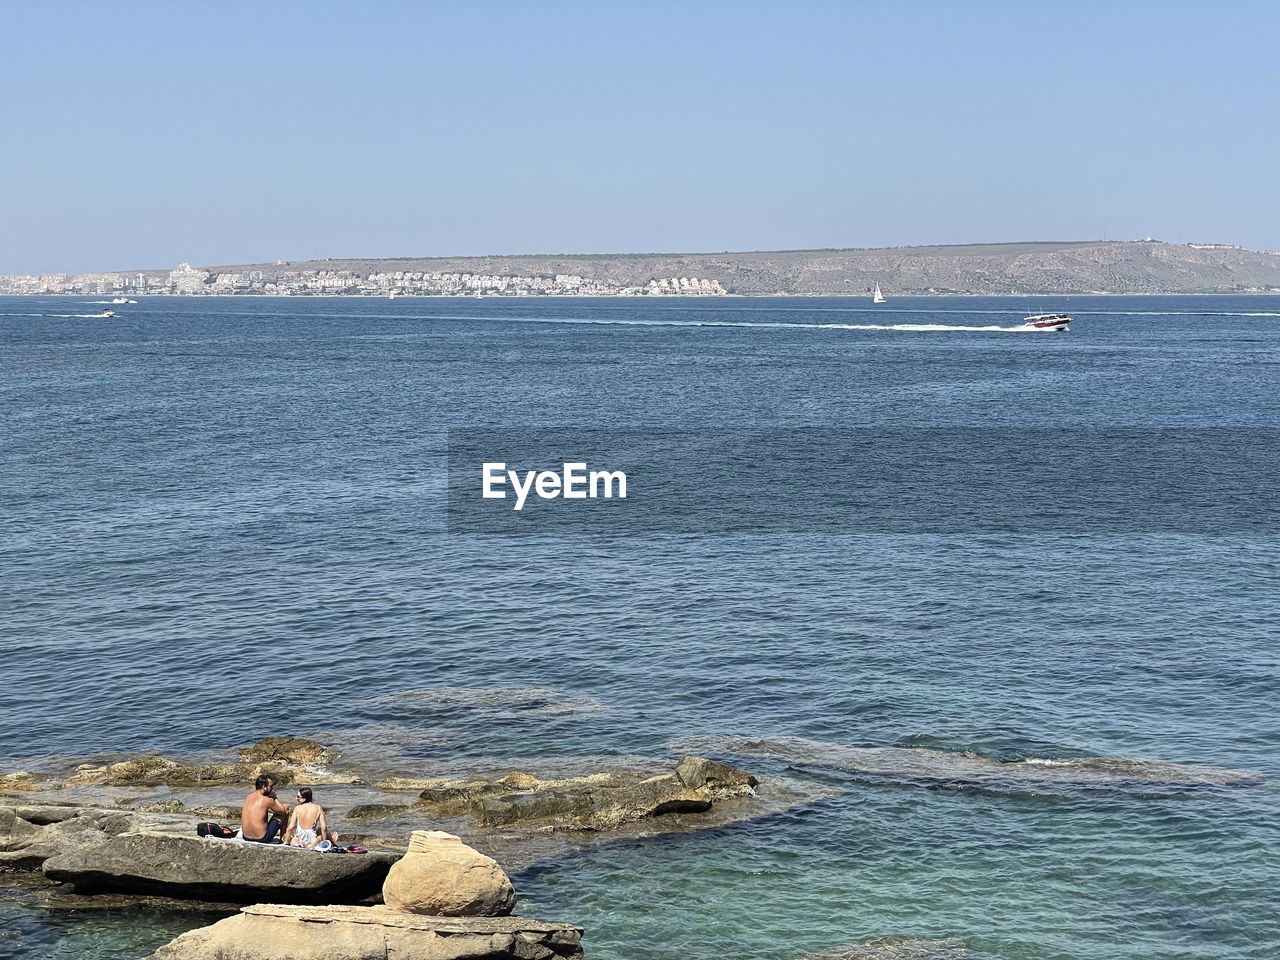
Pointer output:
x,y
195,868
372,933
386,917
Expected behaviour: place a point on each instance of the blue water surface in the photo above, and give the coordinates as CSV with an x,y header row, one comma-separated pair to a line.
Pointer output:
x,y
224,517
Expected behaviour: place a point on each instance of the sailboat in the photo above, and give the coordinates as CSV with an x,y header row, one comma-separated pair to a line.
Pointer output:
x,y
877,297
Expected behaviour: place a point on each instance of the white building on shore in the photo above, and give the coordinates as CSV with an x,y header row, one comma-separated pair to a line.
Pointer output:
x,y
185,278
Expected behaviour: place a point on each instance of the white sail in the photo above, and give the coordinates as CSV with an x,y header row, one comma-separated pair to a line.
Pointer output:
x,y
878,297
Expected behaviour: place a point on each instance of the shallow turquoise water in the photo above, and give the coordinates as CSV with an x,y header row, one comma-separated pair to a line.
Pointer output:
x,y
201,481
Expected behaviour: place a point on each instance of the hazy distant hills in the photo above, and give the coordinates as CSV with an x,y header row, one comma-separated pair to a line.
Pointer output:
x,y
1077,267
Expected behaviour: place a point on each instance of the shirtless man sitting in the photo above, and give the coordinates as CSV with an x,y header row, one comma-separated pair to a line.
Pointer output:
x,y
263,816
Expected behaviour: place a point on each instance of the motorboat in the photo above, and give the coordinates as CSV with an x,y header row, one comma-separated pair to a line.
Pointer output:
x,y
1049,322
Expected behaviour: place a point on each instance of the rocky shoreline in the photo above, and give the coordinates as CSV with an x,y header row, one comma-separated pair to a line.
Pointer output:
x,y
518,816
124,832
87,831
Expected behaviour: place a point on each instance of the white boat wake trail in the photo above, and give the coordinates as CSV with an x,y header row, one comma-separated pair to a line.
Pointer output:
x,y
767,324
918,327
60,316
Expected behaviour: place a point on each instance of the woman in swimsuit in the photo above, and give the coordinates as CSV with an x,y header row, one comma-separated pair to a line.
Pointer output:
x,y
307,825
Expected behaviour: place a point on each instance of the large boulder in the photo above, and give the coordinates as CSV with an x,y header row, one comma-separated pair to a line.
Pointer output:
x,y
442,876
372,933
195,868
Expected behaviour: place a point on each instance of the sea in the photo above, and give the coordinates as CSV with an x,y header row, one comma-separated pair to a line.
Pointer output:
x,y
224,518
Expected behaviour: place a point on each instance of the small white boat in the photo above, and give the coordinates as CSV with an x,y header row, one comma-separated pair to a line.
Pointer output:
x,y
1049,322
119,299
391,295
877,297
101,315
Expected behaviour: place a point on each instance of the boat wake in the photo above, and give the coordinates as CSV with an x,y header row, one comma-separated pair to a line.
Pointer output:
x,y
101,315
1177,313
919,327
762,324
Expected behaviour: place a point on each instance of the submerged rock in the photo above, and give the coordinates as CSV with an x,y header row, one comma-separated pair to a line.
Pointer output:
x,y
442,876
405,783
496,703
168,805
964,769
377,811
372,933
22,780
950,949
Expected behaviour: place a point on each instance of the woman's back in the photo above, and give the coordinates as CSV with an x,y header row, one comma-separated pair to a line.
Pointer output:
x,y
309,815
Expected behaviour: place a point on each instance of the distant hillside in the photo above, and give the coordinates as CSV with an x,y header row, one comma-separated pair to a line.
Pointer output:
x,y
1075,267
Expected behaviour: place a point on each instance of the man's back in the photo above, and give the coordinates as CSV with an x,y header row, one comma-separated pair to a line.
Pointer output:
x,y
253,815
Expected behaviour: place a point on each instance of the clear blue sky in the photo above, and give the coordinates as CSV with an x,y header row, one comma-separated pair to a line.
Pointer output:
x,y
140,134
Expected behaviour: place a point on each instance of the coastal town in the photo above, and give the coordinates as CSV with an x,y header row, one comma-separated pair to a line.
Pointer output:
x,y
186,280
1146,266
